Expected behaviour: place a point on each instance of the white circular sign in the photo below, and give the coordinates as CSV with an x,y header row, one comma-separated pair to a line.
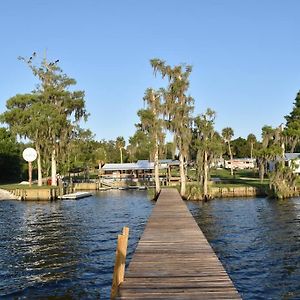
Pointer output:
x,y
29,154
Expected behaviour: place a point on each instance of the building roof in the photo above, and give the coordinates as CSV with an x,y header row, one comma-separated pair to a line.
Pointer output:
x,y
290,156
139,165
145,165
120,167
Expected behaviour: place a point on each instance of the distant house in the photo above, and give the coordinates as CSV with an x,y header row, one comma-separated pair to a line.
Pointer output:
x,y
291,160
217,163
240,163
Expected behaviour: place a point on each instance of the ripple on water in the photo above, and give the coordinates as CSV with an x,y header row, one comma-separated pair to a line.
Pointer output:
x,y
257,241
66,249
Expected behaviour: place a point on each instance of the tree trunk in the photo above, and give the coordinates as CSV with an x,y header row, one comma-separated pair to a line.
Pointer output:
x,y
261,170
156,170
283,153
30,173
182,176
251,151
294,144
231,158
39,165
121,155
205,179
53,168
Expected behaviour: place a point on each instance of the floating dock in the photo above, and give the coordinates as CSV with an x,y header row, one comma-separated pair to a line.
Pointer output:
x,y
173,259
75,196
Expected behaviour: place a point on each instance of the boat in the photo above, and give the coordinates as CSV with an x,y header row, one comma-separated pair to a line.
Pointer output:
x,y
75,196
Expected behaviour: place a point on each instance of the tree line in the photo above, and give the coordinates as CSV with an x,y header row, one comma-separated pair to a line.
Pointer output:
x,y
49,119
170,108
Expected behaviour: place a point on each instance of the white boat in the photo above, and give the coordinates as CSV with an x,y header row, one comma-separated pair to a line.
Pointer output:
x,y
143,187
77,195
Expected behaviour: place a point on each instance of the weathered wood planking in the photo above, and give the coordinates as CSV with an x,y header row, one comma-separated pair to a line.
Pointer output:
x,y
173,259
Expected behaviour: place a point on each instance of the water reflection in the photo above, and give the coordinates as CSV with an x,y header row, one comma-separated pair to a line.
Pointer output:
x,y
257,241
66,249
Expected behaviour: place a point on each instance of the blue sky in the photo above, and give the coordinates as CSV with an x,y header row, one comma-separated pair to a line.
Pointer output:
x,y
245,55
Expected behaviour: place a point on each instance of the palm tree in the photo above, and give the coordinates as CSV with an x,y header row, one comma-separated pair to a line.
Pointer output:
x,y
120,144
251,139
227,134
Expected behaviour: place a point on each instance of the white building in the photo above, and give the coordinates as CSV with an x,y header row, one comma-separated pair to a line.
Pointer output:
x,y
240,163
291,160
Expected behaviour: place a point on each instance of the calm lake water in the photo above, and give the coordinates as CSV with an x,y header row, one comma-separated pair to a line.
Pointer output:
x,y
65,249
258,242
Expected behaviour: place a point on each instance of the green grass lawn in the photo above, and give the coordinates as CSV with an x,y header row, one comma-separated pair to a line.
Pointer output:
x,y
240,178
13,186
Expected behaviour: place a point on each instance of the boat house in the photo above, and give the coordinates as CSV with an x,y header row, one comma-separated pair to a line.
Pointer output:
x,y
142,169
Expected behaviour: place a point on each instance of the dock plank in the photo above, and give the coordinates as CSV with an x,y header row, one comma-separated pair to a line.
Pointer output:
x,y
173,259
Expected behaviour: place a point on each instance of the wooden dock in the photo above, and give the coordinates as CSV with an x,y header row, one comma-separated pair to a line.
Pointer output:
x,y
173,259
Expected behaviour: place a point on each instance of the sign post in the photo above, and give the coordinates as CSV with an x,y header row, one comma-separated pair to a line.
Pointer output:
x,y
30,155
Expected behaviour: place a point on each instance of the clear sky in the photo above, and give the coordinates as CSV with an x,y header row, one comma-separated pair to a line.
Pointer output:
x,y
245,55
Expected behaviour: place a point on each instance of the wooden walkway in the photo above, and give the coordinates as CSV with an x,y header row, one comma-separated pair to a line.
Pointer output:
x,y
173,259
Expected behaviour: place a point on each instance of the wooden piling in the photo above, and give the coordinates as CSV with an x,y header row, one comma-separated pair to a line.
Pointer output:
x,y
119,269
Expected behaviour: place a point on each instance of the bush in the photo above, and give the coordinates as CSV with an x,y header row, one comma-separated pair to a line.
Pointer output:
x,y
194,192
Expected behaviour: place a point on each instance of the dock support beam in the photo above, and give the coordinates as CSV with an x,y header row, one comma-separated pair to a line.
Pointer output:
x,y
119,269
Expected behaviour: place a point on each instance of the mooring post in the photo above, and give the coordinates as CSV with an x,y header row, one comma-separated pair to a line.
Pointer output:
x,y
119,269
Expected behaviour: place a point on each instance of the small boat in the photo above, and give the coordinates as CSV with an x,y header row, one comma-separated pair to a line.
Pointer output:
x,y
143,187
104,188
133,187
75,196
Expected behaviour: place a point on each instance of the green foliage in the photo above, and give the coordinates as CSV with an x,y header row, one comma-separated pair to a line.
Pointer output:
x,y
139,146
240,148
194,192
270,148
170,149
49,115
120,144
152,123
252,142
227,134
178,108
10,157
282,182
81,153
292,130
207,145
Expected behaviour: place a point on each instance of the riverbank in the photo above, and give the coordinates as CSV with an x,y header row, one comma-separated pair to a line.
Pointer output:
x,y
195,193
46,193
244,183
6,195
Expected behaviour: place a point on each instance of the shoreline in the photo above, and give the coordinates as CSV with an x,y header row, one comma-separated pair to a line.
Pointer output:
x,y
6,195
214,193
